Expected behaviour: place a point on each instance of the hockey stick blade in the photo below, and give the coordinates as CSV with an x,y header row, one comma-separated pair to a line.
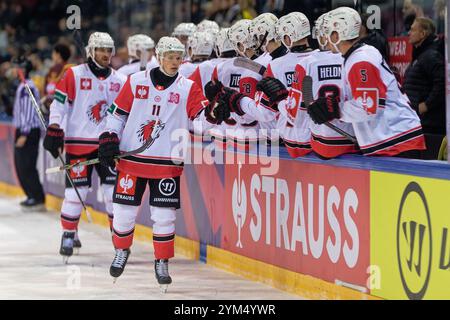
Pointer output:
x,y
307,92
155,134
248,64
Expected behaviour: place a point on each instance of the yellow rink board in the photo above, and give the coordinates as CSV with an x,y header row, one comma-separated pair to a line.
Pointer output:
x,y
410,238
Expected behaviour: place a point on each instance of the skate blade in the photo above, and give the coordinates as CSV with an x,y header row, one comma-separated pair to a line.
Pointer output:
x,y
163,288
114,280
65,259
76,251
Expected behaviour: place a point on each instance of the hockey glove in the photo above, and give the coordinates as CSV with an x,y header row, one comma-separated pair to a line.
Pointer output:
x,y
273,88
54,141
212,89
217,112
324,109
108,148
231,99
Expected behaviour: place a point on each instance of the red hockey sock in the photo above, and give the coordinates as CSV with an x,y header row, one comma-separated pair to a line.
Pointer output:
x,y
164,245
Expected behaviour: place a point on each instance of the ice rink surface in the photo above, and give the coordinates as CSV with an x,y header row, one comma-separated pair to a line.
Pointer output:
x,y
31,267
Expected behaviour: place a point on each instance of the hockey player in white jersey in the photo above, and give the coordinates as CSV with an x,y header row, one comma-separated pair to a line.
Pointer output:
x,y
324,67
199,47
82,97
158,100
141,54
224,50
383,121
182,32
227,75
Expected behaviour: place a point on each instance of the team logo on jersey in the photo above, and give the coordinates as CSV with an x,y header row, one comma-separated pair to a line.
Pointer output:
x,y
174,98
234,80
157,99
114,87
289,78
98,111
329,72
142,92
294,100
145,130
86,84
368,98
127,184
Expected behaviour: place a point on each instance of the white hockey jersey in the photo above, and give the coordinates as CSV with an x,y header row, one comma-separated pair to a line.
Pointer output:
x,y
202,74
83,100
187,68
240,129
134,113
135,66
325,68
382,118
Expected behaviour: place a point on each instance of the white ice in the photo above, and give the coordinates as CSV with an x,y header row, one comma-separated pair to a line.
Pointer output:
x,y
31,267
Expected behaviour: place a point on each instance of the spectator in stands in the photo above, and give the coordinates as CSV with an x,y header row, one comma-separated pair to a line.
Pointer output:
x,y
26,122
411,10
374,37
425,83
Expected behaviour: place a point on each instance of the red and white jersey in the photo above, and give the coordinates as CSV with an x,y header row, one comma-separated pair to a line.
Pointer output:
x,y
83,100
136,109
264,59
382,118
325,69
296,139
187,68
202,74
134,67
244,81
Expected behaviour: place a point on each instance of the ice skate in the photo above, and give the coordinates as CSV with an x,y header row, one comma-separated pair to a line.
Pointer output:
x,y
119,262
66,249
162,274
76,244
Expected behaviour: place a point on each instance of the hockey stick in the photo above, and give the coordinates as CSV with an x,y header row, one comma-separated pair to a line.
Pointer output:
x,y
248,64
307,91
41,118
158,126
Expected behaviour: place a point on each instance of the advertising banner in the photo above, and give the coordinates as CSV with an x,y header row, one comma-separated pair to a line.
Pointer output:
x,y
308,218
400,54
410,240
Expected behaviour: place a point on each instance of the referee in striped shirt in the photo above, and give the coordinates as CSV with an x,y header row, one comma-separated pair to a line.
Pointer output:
x,y
26,122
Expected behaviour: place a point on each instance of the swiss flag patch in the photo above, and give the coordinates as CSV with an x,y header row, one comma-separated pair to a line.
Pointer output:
x,y
142,92
86,84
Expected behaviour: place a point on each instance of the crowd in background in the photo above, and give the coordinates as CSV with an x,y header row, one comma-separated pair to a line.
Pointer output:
x,y
33,27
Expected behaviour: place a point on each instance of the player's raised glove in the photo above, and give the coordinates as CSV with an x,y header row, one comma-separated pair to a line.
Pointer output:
x,y
217,112
231,99
274,89
108,148
54,141
324,109
212,90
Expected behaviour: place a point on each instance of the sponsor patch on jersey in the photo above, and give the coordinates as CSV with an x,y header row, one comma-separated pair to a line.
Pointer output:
x,y
142,92
114,87
174,97
234,80
126,185
167,187
368,98
86,84
329,72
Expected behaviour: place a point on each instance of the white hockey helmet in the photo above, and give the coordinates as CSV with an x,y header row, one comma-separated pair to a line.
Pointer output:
x,y
345,21
208,26
263,29
184,29
239,33
99,40
139,42
318,31
294,25
223,43
201,44
168,44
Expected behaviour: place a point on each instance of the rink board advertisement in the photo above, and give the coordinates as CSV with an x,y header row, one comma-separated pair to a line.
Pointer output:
x,y
315,221
380,233
410,239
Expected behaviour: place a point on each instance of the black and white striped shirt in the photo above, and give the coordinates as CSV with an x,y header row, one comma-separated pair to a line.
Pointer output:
x,y
25,117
